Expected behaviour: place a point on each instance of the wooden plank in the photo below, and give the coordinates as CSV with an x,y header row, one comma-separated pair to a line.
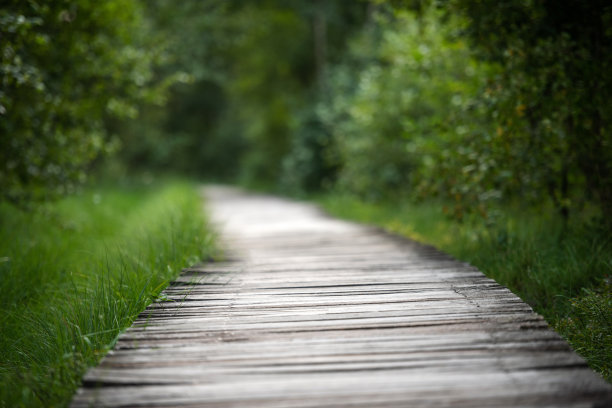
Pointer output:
x,y
316,312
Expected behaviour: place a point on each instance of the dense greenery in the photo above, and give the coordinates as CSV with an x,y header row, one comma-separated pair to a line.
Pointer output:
x,y
77,272
551,100
66,67
410,124
257,68
473,102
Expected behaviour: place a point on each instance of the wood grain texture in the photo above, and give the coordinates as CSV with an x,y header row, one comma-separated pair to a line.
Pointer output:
x,y
310,311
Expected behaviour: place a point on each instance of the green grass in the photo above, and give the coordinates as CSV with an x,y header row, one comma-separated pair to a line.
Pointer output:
x,y
76,272
563,272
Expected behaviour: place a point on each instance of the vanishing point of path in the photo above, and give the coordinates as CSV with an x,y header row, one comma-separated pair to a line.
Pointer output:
x,y
309,311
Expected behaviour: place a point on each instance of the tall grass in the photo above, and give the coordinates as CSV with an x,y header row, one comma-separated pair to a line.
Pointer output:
x,y
562,271
74,273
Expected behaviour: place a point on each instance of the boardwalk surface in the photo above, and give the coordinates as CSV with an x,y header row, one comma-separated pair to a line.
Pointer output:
x,y
316,312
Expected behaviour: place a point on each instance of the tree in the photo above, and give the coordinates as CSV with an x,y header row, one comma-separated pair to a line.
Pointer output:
x,y
66,66
551,99
404,108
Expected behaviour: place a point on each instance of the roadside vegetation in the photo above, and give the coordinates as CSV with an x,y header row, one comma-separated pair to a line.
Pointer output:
x,y
76,272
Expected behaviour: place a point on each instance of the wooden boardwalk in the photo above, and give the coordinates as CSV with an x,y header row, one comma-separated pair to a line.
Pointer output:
x,y
315,312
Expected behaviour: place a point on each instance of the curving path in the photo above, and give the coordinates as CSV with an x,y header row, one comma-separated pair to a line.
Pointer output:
x,y
310,311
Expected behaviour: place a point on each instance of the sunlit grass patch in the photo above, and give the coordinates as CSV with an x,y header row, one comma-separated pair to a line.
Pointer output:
x,y
74,273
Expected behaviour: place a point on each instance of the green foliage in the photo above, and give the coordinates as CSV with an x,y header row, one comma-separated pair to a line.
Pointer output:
x,y
554,267
265,85
65,66
190,133
413,114
550,100
310,164
255,68
279,71
76,272
588,326
407,123
269,91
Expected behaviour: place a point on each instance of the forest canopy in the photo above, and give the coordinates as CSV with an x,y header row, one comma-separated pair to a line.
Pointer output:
x,y
472,103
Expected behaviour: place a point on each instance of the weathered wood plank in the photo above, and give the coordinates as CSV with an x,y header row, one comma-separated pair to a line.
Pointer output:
x,y
316,312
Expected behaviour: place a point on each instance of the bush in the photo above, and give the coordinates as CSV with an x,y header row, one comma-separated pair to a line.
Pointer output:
x,y
413,108
65,68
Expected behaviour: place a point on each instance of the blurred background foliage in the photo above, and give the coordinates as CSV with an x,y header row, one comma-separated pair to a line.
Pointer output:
x,y
473,103
66,66
495,112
